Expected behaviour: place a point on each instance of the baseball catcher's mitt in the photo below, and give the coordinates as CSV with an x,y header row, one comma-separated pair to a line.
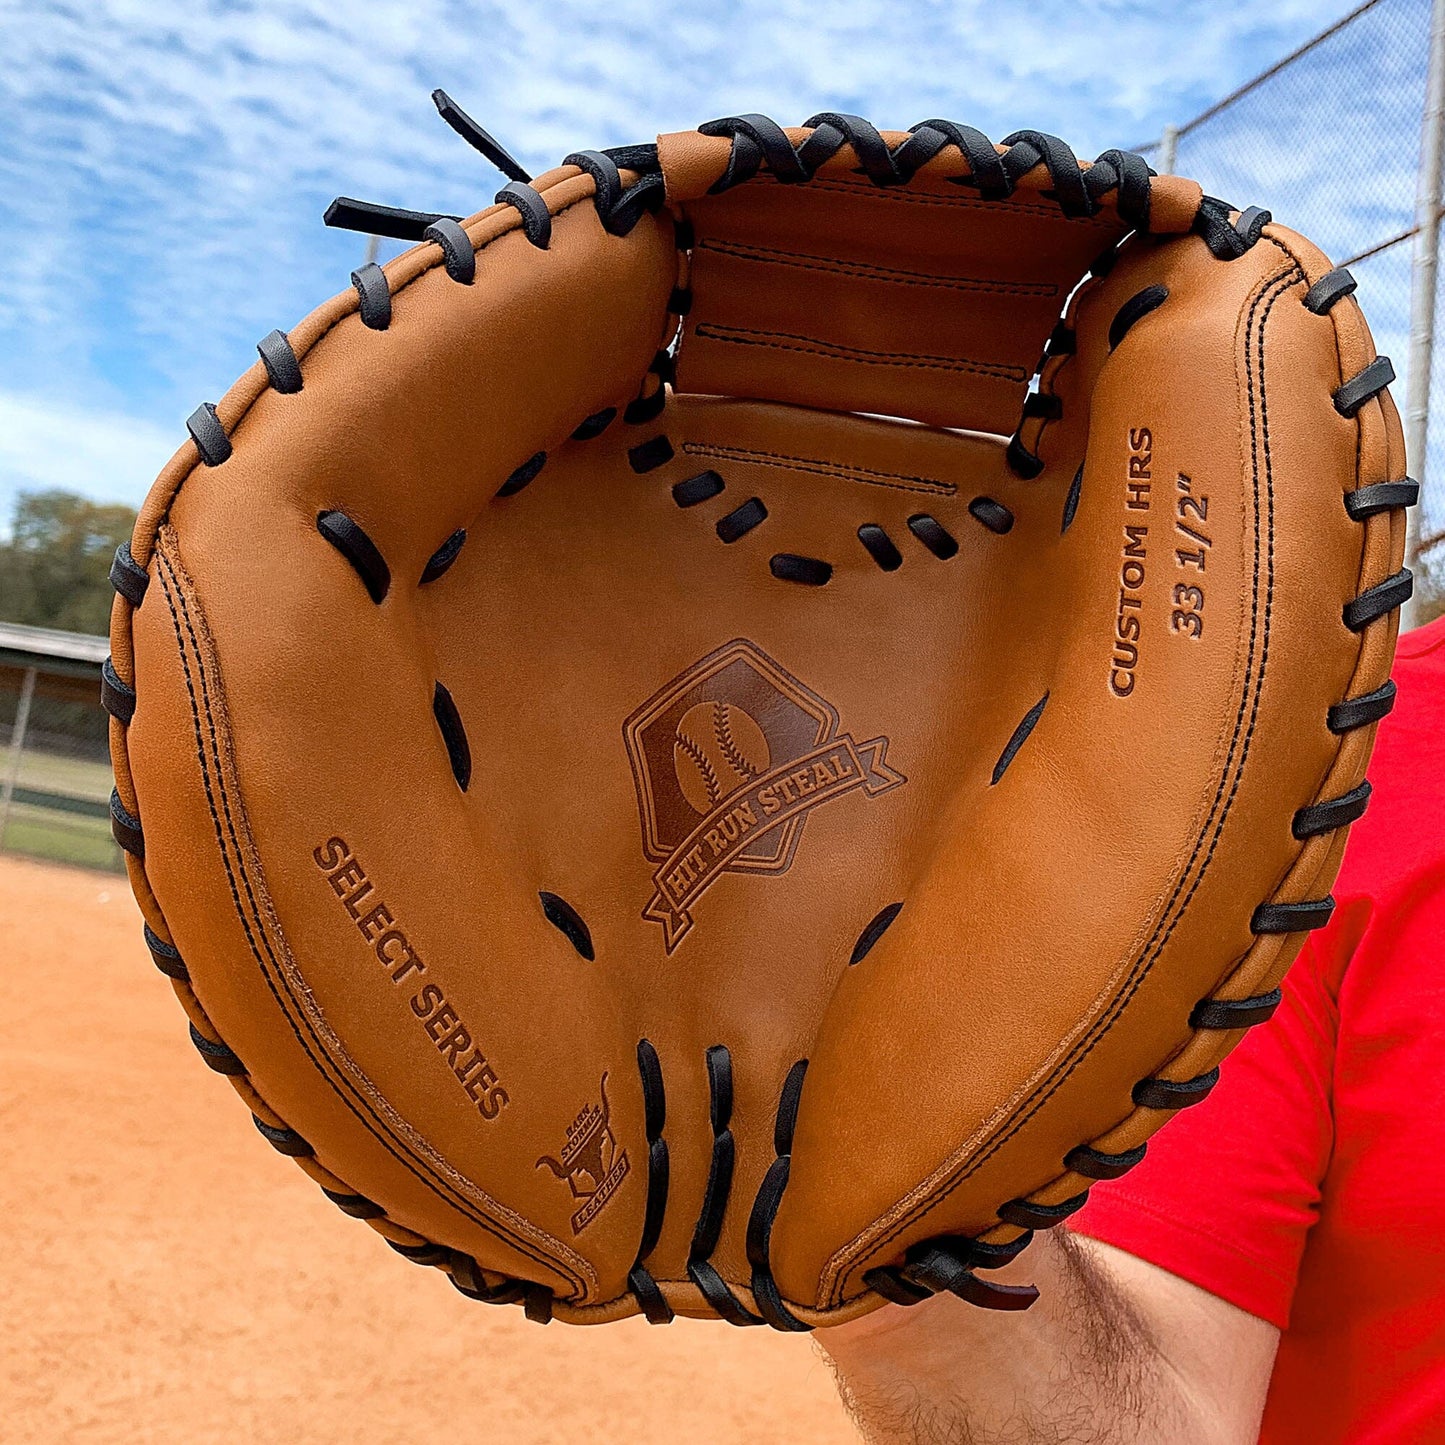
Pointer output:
x,y
670,777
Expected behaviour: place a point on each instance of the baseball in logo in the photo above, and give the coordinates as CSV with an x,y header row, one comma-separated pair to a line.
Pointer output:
x,y
729,760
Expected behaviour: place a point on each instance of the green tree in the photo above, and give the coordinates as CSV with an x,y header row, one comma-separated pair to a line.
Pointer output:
x,y
53,570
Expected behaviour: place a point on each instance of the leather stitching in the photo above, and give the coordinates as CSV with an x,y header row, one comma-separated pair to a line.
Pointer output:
x,y
1102,221
787,341
768,256
844,471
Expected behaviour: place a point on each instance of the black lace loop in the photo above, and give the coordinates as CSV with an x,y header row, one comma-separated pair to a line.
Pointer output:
x,y
603,170
479,140
1130,177
1062,165
1226,241
644,196
947,1263
871,149
758,143
986,169
771,143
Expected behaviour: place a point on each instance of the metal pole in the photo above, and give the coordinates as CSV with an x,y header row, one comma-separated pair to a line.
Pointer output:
x,y
1424,276
1168,150
373,245
17,748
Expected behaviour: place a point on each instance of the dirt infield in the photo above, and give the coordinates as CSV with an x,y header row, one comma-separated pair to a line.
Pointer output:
x,y
168,1277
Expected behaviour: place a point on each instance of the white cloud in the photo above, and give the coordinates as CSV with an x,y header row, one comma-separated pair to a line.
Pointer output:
x,y
166,163
106,456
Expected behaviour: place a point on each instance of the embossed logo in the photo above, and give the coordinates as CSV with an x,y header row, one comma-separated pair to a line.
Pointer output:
x,y
591,1162
729,760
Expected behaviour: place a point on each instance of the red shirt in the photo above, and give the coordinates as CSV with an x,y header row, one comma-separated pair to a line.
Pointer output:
x,y
1309,1188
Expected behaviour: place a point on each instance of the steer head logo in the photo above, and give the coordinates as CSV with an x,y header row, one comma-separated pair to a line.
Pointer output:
x,y
591,1163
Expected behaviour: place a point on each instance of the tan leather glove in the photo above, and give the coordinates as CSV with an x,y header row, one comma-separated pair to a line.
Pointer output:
x,y
669,776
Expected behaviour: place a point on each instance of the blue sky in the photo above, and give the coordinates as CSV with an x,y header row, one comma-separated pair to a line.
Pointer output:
x,y
165,166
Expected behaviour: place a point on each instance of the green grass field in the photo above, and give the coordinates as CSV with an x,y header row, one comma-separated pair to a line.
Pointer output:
x,y
58,834
54,773
62,838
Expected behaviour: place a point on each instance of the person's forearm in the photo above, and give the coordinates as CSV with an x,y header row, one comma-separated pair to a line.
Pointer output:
x,y
1082,1365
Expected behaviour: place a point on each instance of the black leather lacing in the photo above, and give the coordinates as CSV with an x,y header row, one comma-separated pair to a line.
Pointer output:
x,y
427,1253
1362,711
765,1207
1333,813
649,455
696,489
875,930
166,956
282,367
358,1206
1134,309
947,1263
1071,501
1175,1093
619,208
374,296
1096,1164
283,1140
1300,917
125,827
454,735
1374,602
127,576
531,205
216,1054
369,218
458,256
441,560
809,571
524,474
1235,1013
993,515
880,546
1365,502
209,435
480,140
715,1200
594,425
741,520
115,697
351,540
1364,386
466,1276
1228,240
1029,1214
649,404
1017,739
1331,287
759,143
654,1102
566,919
934,535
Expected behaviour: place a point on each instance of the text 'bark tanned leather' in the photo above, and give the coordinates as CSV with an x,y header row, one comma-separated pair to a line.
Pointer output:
x,y
677,765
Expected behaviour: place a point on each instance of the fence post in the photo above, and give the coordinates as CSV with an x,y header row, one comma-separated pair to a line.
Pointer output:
x,y
17,749
1168,149
1424,278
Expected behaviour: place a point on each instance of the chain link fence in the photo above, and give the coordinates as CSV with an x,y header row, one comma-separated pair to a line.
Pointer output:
x,y
54,761
1329,140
